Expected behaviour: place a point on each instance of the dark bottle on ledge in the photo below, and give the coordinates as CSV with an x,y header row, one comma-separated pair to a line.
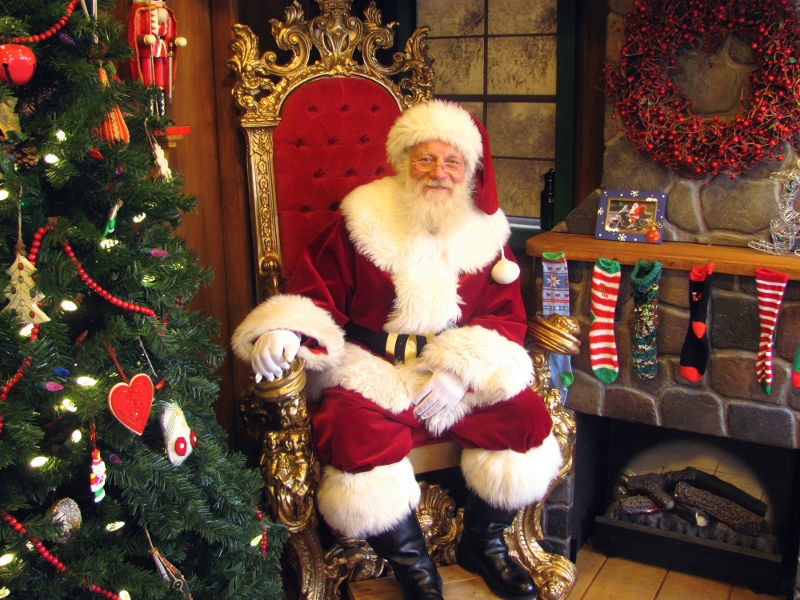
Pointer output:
x,y
547,200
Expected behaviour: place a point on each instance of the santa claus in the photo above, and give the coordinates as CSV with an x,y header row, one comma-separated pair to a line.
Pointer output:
x,y
408,313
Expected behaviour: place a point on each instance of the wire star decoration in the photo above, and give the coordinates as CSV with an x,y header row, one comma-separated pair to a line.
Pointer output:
x,y
784,228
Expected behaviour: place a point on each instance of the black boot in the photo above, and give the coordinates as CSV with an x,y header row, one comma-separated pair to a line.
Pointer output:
x,y
404,548
483,550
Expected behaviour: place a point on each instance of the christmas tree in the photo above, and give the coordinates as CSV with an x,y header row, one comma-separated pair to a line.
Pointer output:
x,y
115,478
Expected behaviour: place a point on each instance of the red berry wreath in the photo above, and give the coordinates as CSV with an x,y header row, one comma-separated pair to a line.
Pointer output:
x,y
659,118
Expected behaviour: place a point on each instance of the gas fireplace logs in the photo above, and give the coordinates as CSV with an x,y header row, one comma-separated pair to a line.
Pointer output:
x,y
695,503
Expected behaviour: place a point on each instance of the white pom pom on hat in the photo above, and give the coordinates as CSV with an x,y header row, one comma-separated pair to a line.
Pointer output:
x,y
450,123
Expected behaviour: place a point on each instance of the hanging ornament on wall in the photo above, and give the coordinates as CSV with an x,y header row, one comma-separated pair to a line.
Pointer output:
x,y
659,119
18,64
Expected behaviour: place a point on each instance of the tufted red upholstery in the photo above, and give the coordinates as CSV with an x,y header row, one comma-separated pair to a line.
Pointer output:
x,y
331,139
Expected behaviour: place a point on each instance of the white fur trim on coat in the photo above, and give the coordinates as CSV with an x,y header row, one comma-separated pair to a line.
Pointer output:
x,y
510,480
364,504
298,314
434,120
424,269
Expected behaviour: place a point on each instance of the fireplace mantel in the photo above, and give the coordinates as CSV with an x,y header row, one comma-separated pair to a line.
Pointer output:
x,y
681,256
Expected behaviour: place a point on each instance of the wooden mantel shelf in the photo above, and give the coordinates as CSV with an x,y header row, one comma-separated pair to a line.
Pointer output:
x,y
672,255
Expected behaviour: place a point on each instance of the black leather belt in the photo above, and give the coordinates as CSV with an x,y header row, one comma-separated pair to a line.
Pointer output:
x,y
398,347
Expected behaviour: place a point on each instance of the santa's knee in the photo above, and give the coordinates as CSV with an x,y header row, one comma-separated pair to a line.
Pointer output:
x,y
368,503
508,479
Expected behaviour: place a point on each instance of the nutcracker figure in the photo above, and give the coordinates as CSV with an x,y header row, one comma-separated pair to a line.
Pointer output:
x,y
152,34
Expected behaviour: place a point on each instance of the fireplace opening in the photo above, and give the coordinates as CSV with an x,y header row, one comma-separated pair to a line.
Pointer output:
x,y
714,507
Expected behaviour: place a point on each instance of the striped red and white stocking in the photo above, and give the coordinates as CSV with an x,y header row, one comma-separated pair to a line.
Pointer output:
x,y
769,286
602,343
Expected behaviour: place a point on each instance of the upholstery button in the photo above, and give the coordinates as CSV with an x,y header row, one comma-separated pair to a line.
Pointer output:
x,y
363,139
319,173
312,108
299,142
344,108
379,170
375,108
305,208
335,206
350,172
333,140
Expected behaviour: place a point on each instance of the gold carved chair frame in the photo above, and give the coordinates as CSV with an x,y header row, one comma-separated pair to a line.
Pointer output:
x,y
275,413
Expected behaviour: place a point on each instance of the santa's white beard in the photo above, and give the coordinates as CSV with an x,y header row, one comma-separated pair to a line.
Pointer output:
x,y
433,211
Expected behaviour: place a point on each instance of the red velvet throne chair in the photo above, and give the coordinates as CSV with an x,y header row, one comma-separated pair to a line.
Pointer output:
x,y
315,128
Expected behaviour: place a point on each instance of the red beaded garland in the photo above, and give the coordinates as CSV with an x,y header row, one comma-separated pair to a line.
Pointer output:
x,y
94,286
91,283
659,118
49,557
39,37
263,534
18,375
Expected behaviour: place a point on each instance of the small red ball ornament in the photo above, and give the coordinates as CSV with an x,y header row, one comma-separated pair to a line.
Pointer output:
x,y
653,235
18,64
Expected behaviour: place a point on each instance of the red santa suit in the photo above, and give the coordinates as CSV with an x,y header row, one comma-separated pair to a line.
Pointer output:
x,y
370,269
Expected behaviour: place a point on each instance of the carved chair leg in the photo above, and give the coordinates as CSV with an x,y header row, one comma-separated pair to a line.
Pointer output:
x,y
553,574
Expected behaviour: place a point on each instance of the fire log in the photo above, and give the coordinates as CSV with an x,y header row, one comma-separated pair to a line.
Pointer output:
x,y
728,512
636,505
651,484
716,486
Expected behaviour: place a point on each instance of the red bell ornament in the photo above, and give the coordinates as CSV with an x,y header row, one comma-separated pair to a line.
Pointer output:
x,y
18,64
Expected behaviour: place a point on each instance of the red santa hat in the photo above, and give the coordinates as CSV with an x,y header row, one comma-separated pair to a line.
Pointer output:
x,y
449,123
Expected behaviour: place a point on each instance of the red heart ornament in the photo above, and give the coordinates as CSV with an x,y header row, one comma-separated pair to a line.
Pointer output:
x,y
130,402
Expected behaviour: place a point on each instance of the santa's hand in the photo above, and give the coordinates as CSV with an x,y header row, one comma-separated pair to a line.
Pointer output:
x,y
439,396
273,352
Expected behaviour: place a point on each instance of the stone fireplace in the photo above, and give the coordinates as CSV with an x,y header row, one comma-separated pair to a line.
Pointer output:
x,y
727,405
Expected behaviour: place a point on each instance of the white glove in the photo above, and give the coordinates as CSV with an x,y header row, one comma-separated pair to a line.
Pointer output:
x,y
439,396
273,352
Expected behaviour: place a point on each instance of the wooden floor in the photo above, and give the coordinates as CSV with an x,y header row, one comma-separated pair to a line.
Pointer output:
x,y
599,578
602,578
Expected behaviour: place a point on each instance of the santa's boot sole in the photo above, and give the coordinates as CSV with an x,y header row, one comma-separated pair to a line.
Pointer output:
x,y
468,564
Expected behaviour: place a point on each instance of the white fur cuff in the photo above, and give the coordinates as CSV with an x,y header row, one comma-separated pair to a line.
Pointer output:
x,y
493,366
295,313
510,480
365,504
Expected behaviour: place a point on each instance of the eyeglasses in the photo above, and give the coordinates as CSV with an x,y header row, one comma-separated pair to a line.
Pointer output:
x,y
426,165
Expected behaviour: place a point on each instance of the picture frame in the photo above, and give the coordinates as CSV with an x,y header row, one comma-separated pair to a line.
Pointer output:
x,y
631,216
